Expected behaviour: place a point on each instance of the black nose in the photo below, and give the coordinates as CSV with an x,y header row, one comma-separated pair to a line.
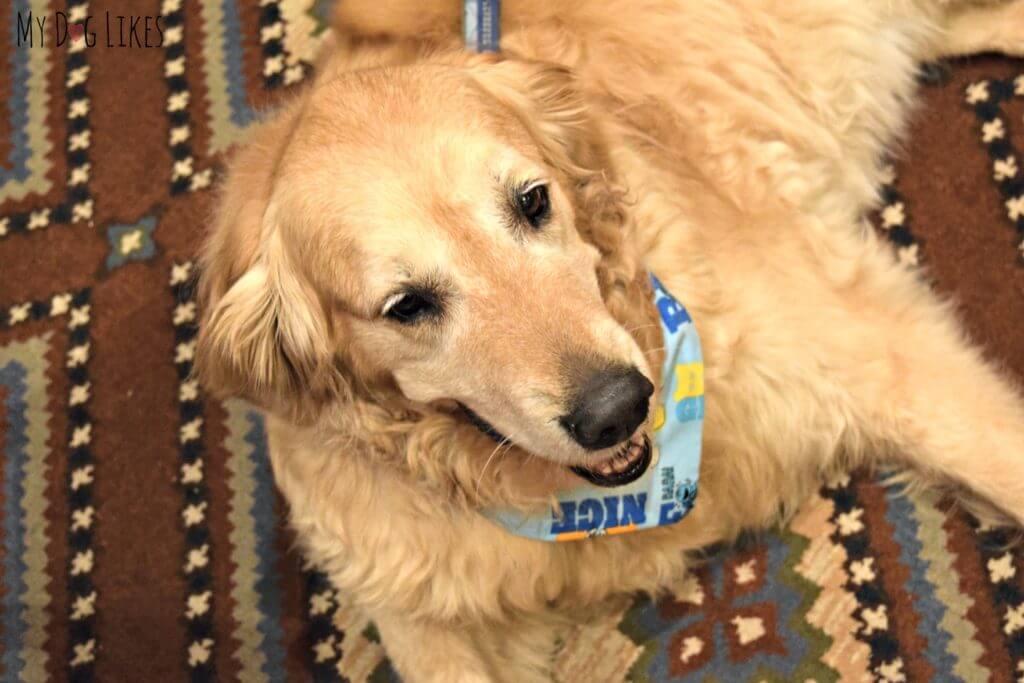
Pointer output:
x,y
610,405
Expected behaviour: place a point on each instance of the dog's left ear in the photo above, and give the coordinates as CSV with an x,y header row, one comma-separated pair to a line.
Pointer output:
x,y
547,100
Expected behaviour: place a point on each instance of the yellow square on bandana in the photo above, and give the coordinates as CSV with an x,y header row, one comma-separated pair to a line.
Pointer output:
x,y
689,381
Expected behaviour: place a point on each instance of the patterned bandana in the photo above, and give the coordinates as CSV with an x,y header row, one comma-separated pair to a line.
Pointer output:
x,y
668,489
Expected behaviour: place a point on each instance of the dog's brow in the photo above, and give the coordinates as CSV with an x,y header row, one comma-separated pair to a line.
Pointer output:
x,y
433,282
348,309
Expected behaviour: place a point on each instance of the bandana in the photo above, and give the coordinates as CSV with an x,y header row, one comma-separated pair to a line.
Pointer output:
x,y
667,491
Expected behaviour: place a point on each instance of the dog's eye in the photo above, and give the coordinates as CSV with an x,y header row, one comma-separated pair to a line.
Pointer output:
x,y
410,307
534,205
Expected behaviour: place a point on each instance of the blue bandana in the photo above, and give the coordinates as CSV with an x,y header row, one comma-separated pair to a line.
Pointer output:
x,y
668,490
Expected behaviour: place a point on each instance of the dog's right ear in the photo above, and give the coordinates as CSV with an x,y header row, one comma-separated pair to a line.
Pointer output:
x,y
264,334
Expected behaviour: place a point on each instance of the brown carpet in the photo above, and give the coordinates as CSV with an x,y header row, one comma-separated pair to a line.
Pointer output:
x,y
140,535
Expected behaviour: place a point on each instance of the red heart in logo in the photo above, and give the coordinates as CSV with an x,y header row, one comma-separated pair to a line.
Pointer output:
x,y
76,31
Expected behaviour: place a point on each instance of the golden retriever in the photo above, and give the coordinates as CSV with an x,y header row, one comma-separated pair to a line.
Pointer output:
x,y
426,244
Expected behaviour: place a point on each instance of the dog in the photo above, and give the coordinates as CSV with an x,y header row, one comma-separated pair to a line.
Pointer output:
x,y
426,248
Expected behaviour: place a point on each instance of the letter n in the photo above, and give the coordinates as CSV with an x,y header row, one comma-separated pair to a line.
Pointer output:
x,y
633,509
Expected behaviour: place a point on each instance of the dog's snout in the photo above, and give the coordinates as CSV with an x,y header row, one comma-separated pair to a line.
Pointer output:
x,y
610,405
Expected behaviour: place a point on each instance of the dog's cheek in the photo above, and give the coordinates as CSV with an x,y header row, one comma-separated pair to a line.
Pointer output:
x,y
422,387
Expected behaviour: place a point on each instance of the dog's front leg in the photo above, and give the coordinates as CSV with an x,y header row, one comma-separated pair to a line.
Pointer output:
x,y
431,652
985,28
519,650
515,651
924,389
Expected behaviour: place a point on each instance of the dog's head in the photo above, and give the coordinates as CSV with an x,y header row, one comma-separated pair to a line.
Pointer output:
x,y
448,234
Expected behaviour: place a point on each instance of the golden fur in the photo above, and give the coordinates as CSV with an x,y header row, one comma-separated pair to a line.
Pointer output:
x,y
730,146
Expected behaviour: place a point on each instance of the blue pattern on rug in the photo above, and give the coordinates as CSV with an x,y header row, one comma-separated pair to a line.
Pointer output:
x,y
900,514
17,166
13,377
268,585
242,114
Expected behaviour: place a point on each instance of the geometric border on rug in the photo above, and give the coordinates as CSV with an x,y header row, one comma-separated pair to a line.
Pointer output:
x,y
81,472
999,566
184,176
279,68
252,546
324,639
26,461
277,72
198,560
344,644
894,220
864,579
77,206
28,163
986,98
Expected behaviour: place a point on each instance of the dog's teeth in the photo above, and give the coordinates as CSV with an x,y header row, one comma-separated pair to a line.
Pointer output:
x,y
620,461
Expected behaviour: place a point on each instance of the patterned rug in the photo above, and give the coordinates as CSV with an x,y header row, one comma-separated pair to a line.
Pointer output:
x,y
140,534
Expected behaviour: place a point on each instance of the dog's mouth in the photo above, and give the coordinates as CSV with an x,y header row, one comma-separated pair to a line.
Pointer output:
x,y
625,466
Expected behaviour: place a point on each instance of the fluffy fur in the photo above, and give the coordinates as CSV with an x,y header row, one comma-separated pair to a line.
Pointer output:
x,y
730,146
